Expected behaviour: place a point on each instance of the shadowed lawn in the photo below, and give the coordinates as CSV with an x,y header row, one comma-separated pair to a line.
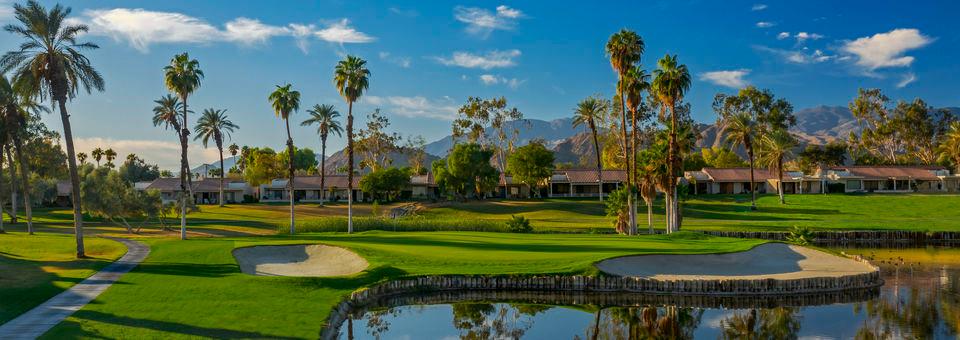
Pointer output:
x,y
195,288
35,268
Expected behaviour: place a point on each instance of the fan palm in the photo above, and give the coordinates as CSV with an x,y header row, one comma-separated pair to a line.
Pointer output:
x,y
325,117
949,148
351,77
15,111
110,155
777,146
97,155
214,124
741,130
285,102
624,49
182,77
50,62
82,157
591,112
671,80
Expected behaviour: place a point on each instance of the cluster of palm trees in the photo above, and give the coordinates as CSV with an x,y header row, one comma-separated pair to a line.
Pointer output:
x,y
98,154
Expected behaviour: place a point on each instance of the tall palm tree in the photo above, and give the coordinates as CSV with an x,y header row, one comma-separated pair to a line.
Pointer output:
x,y
110,155
351,77
234,149
325,117
14,115
777,146
286,101
82,157
97,155
182,77
51,62
949,148
592,111
670,83
625,49
741,130
214,124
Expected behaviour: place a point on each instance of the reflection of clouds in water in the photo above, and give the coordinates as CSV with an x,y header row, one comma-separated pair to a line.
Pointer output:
x,y
714,320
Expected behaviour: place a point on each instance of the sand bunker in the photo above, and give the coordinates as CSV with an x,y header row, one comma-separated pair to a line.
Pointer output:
x,y
299,260
770,260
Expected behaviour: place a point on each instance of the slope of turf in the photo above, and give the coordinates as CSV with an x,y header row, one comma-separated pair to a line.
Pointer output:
x,y
195,289
34,268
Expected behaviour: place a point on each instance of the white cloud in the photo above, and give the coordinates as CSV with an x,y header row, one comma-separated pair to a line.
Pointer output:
x,y
492,59
415,107
803,36
758,7
403,62
404,12
482,22
783,35
906,80
886,49
728,78
166,154
491,79
142,28
802,56
765,24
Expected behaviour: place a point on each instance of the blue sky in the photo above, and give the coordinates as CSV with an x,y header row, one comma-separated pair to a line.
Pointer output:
x,y
426,57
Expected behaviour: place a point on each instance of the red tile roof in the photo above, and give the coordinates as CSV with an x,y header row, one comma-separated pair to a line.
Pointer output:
x,y
313,182
590,176
738,174
921,172
202,185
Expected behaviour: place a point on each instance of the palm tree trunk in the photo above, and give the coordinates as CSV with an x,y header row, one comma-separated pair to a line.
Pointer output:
x,y
626,157
186,180
650,217
220,147
350,167
25,177
2,230
323,169
13,185
780,181
672,170
753,188
290,155
596,147
633,171
74,178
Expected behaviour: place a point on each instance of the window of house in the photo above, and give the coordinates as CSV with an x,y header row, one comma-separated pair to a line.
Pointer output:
x,y
853,185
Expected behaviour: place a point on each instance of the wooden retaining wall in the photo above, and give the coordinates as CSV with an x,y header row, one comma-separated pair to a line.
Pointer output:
x,y
853,236
555,283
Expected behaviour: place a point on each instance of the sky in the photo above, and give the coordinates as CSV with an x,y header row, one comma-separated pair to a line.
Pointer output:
x,y
427,57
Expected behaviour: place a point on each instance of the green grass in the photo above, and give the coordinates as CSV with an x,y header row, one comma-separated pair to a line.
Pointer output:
x,y
194,288
35,268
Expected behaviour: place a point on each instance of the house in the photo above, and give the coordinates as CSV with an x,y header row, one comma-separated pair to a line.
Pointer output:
x,y
584,183
423,187
307,189
731,181
893,178
205,190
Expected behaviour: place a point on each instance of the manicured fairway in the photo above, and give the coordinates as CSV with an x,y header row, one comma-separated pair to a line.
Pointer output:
x,y
34,268
194,288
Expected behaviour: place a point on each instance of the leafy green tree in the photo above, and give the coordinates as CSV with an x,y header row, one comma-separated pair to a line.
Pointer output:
x,y
285,101
473,118
135,169
107,195
351,77
262,166
832,154
592,112
778,145
721,157
304,159
325,118
670,83
214,124
416,154
51,62
531,164
907,133
385,184
466,171
375,144
182,77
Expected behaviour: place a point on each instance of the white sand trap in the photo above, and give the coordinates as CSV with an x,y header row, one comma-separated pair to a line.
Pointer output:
x,y
769,260
299,260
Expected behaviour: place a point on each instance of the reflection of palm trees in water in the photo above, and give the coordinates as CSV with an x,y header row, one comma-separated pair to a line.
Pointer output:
x,y
644,323
917,314
473,320
772,323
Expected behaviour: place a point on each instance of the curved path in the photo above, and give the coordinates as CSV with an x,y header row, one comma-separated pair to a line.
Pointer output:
x,y
40,319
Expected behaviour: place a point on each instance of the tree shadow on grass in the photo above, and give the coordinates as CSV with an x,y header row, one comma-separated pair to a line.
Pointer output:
x,y
188,269
24,284
490,246
74,329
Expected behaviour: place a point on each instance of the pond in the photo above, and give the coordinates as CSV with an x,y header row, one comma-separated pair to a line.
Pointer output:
x,y
920,299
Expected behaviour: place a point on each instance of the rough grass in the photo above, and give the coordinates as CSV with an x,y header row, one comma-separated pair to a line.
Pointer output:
x,y
34,268
195,289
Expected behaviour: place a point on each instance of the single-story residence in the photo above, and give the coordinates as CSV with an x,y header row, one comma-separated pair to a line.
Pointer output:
x,y
893,178
730,181
307,189
205,190
423,187
584,182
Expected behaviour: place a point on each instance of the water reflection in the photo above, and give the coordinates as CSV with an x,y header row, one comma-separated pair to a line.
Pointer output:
x,y
920,300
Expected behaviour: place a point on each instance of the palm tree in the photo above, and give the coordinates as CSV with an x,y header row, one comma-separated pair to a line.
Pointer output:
x,y
949,148
97,155
325,116
110,155
14,115
182,77
234,149
351,77
214,124
777,145
624,49
671,82
82,157
741,130
50,62
591,111
286,101
652,173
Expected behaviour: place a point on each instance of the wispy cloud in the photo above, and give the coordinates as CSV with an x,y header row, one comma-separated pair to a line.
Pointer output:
x,y
888,49
415,107
801,56
142,28
166,154
728,78
765,24
907,79
404,12
758,7
396,60
783,35
482,22
486,61
492,79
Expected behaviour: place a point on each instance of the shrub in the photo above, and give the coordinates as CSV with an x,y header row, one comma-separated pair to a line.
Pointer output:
x,y
800,236
519,224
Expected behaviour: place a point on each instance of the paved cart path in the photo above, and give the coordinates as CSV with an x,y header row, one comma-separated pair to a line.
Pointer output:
x,y
40,319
